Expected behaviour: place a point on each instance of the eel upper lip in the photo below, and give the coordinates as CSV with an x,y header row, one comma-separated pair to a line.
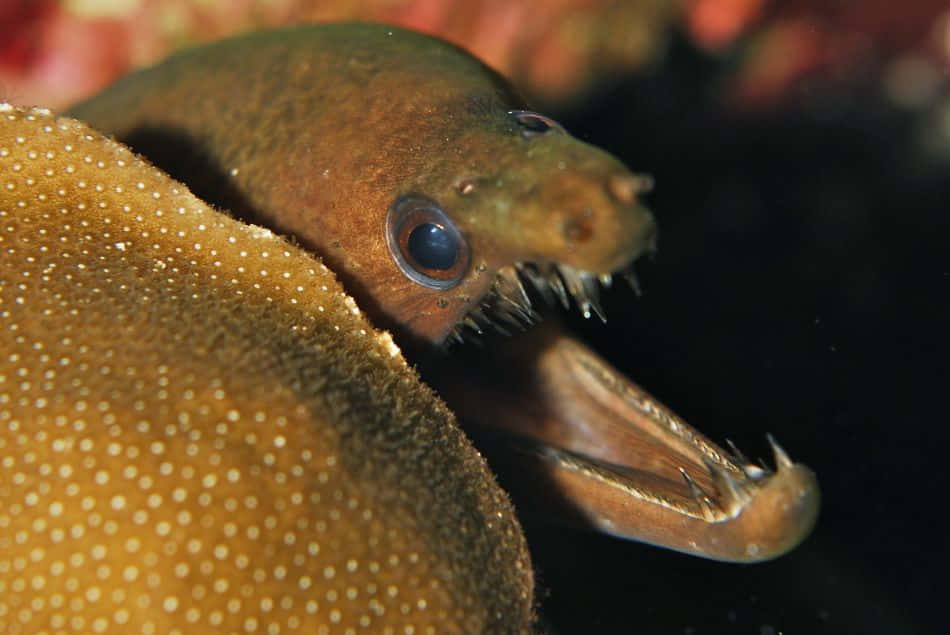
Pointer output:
x,y
507,306
600,447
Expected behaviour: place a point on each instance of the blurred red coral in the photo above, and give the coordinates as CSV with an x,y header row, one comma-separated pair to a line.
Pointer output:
x,y
844,44
715,24
45,54
56,51
554,48
21,22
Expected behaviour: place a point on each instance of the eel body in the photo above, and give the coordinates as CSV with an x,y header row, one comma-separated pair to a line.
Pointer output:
x,y
202,426
200,432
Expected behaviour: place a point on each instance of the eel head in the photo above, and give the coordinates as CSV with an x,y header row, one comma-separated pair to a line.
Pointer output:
x,y
534,216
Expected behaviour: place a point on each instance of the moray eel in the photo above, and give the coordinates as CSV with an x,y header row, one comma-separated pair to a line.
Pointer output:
x,y
203,431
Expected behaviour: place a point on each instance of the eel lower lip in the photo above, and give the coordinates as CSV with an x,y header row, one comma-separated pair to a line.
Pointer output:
x,y
595,446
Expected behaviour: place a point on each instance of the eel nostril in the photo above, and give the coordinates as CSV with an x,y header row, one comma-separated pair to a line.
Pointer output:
x,y
578,229
623,188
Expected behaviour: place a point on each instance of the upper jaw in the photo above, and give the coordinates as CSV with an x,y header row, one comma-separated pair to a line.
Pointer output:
x,y
507,307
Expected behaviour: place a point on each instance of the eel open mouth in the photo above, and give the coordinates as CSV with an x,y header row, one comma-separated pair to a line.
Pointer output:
x,y
596,446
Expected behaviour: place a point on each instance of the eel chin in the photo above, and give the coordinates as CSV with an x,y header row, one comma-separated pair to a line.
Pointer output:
x,y
580,437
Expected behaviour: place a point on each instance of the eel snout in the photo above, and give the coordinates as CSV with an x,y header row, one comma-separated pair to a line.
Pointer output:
x,y
604,452
576,280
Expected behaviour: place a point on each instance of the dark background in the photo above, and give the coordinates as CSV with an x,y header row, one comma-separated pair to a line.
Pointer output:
x,y
801,288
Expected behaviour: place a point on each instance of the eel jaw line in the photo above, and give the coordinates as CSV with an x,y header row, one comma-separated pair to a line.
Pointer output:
x,y
627,465
606,451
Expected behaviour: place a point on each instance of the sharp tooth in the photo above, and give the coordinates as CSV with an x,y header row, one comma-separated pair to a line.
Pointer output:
x,y
498,327
508,301
509,318
702,499
583,288
631,278
486,319
527,315
592,290
538,281
544,288
556,285
737,453
478,314
472,324
782,460
509,288
572,282
516,315
455,336
734,494
754,472
762,465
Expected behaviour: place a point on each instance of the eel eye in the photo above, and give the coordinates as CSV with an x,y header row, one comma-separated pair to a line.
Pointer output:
x,y
425,244
533,124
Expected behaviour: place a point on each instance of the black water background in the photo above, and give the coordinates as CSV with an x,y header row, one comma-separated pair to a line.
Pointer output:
x,y
802,288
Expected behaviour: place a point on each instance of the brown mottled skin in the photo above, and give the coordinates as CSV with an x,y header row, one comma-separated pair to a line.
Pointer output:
x,y
327,125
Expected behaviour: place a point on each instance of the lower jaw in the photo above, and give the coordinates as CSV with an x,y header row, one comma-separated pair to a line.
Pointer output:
x,y
581,442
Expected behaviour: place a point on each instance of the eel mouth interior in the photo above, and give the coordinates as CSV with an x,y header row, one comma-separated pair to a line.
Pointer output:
x,y
607,451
